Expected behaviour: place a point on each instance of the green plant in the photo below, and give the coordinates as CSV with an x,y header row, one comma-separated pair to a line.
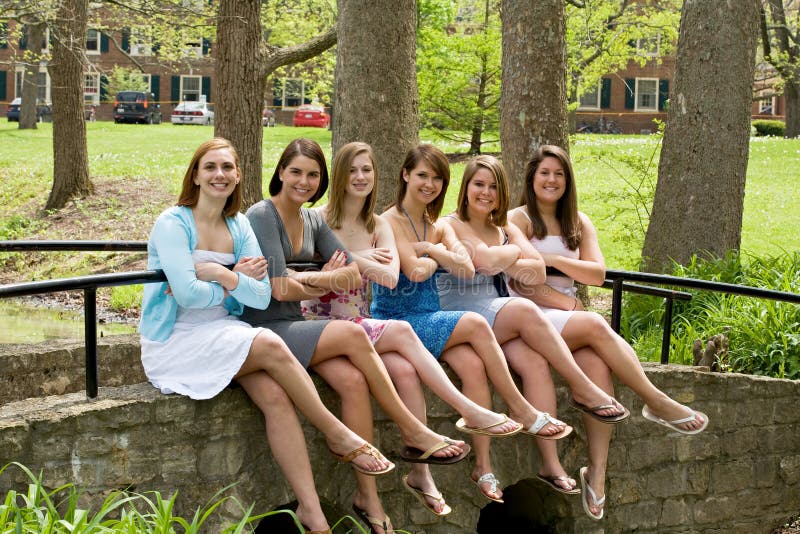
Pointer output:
x,y
769,127
764,334
126,298
40,511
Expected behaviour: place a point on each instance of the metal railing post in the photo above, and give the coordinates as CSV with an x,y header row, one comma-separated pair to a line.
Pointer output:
x,y
667,335
616,304
90,339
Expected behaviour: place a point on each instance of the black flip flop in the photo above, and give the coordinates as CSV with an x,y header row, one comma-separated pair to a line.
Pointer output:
x,y
416,456
609,419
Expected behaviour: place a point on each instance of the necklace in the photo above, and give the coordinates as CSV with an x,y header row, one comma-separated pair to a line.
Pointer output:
x,y
414,228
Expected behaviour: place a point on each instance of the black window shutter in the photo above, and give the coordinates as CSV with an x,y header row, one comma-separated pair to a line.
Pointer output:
x,y
207,88
103,88
663,94
3,76
155,86
126,40
175,94
103,43
206,46
23,38
605,93
630,93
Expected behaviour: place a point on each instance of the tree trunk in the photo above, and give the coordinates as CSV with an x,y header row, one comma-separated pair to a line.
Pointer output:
x,y
533,94
700,191
240,88
375,96
70,158
27,112
791,94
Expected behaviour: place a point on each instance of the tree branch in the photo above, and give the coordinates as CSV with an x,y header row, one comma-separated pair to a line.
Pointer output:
x,y
278,57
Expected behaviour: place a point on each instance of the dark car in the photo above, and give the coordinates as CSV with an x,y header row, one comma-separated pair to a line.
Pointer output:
x,y
43,111
136,107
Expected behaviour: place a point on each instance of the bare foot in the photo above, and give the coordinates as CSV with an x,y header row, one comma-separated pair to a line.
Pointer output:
x,y
422,481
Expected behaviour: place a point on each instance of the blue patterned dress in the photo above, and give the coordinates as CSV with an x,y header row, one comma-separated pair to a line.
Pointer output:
x,y
417,303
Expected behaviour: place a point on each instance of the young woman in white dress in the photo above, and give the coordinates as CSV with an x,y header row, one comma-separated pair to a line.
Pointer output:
x,y
194,345
567,240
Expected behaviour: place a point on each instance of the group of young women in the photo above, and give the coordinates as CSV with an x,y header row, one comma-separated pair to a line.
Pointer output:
x,y
469,289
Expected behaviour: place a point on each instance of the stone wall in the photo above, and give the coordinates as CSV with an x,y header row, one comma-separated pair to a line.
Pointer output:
x,y
741,475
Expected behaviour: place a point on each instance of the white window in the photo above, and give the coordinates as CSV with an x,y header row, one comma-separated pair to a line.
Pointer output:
x,y
140,44
91,88
193,49
649,47
42,83
590,99
646,94
92,41
191,87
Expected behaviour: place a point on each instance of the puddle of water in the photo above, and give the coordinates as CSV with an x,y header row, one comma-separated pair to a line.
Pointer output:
x,y
31,324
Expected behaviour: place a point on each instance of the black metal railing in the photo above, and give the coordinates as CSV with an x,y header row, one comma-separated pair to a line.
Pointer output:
x,y
617,281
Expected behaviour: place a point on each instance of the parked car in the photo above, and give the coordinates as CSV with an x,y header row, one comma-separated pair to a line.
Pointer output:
x,y
308,115
192,113
43,111
137,107
268,117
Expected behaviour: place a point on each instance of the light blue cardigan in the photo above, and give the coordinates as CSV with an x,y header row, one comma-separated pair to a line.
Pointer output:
x,y
172,240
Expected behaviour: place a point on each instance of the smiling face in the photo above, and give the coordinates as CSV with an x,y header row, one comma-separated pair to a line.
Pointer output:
x,y
361,179
482,193
217,174
424,184
300,178
549,181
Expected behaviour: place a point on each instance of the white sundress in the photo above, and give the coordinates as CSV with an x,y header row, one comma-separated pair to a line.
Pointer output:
x,y
554,244
206,348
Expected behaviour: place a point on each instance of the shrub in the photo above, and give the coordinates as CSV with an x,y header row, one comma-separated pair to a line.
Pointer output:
x,y
769,127
764,334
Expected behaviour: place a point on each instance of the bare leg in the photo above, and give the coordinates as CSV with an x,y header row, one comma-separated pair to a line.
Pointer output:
x,y
471,369
405,379
344,338
475,331
588,329
598,434
288,445
522,318
538,387
400,338
351,386
270,354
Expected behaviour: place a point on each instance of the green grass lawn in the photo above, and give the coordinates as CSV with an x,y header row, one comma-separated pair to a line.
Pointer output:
x,y
609,170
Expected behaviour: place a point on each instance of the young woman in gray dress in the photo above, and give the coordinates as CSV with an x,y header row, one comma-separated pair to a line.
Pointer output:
x,y
194,344
338,350
567,240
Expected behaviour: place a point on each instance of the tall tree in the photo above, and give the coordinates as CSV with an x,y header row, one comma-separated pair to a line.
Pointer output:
x,y
70,157
533,96
700,190
375,89
243,62
780,41
459,69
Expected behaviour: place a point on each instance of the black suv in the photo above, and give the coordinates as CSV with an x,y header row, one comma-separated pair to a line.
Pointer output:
x,y
137,107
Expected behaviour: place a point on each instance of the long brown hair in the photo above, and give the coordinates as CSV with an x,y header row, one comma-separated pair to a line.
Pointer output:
x,y
190,191
567,206
301,147
436,159
340,177
498,215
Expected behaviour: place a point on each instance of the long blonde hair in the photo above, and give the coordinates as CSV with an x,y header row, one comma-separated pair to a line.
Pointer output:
x,y
340,177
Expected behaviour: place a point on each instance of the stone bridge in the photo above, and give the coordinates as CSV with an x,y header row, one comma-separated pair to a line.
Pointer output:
x,y
742,475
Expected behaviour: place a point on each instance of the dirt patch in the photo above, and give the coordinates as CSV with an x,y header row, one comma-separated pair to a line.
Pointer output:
x,y
454,157
791,527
